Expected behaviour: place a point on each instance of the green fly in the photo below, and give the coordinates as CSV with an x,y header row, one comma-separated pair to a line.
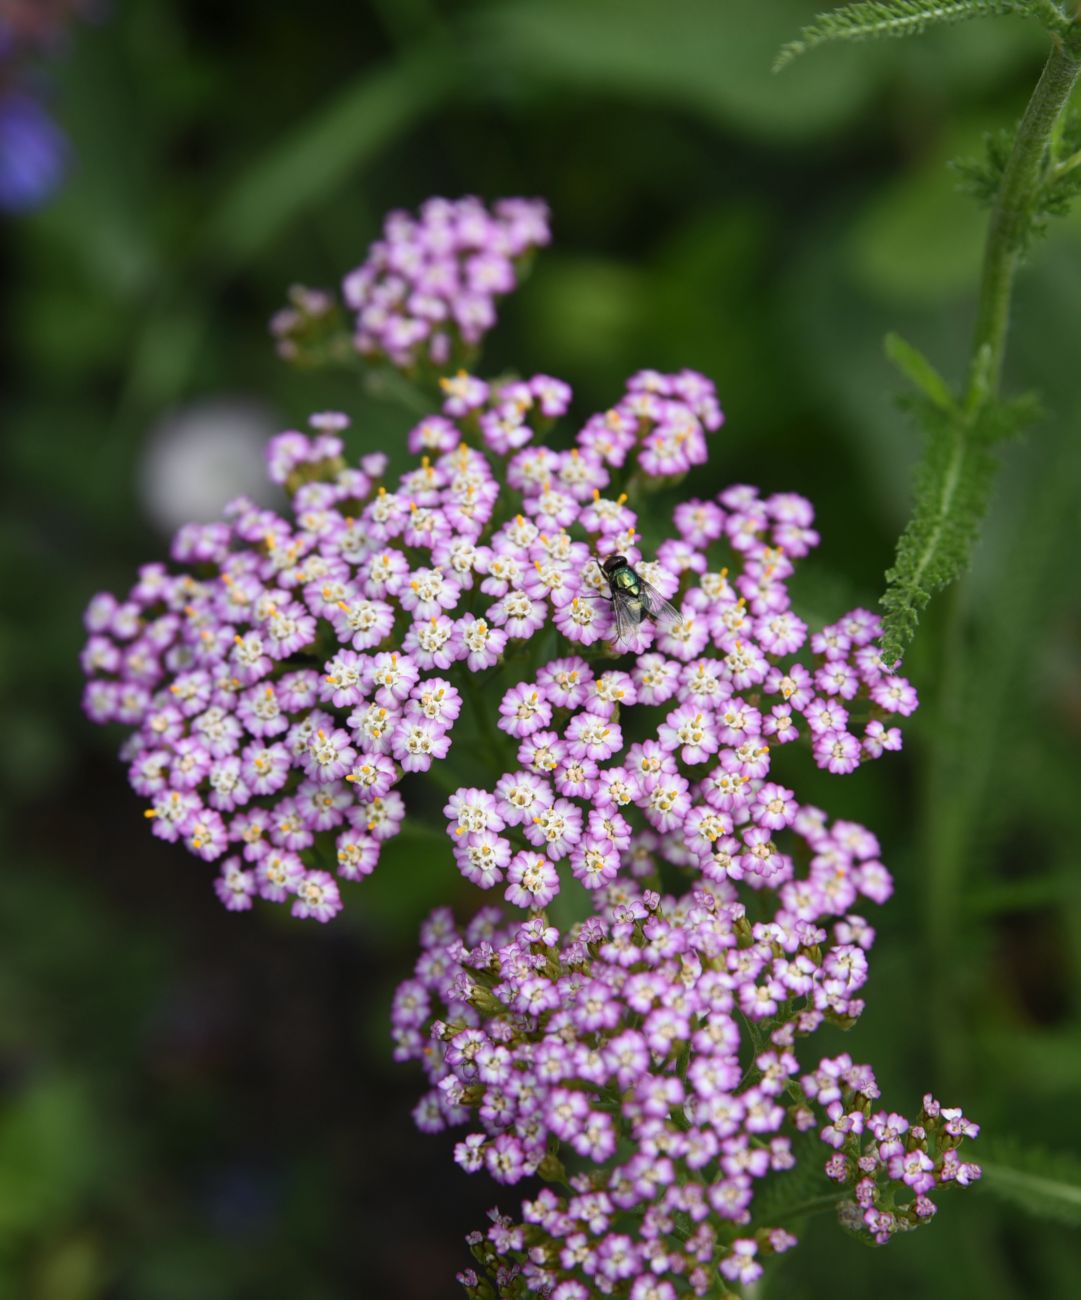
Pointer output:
x,y
634,599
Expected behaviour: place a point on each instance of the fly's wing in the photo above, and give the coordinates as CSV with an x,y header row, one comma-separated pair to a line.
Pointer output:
x,y
661,611
625,620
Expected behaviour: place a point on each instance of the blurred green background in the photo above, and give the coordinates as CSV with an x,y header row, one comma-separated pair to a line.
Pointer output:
x,y
199,1106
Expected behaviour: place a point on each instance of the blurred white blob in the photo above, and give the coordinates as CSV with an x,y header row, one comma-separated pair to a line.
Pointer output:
x,y
202,455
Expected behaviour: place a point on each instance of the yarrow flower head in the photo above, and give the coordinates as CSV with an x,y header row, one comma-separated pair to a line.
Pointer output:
x,y
426,294
615,1062
290,668
291,673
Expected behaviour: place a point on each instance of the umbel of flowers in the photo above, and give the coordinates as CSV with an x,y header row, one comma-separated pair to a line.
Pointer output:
x,y
654,1050
289,667
280,678
425,295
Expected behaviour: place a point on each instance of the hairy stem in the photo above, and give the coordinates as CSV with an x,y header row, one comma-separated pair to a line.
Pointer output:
x,y
957,471
946,833
1011,210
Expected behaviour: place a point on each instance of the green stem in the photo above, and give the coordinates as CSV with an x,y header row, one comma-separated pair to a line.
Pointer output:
x,y
814,1205
1012,209
388,385
945,829
958,463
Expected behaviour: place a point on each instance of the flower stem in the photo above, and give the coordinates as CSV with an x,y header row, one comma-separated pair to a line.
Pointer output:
x,y
386,384
1011,211
814,1205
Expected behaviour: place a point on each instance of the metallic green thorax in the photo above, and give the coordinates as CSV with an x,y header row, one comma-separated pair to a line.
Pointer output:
x,y
625,579
625,586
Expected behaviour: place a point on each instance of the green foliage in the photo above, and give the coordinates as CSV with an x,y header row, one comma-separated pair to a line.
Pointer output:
x,y
222,152
1059,181
1061,187
1062,174
956,474
872,20
954,482
50,1153
981,178
920,372
1043,1183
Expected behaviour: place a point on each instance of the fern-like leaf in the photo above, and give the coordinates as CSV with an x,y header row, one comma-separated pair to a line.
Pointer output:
x,y
954,482
981,178
1043,1183
1058,187
1062,172
873,19
1062,187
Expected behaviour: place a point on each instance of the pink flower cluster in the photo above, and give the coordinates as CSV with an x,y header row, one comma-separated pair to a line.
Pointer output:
x,y
432,282
291,666
280,683
658,428
655,1047
714,696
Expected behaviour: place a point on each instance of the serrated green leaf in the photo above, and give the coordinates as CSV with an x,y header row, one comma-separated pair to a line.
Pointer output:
x,y
980,178
873,21
953,488
954,482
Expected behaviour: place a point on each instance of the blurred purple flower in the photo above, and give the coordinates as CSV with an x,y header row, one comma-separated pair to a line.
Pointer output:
x,y
33,153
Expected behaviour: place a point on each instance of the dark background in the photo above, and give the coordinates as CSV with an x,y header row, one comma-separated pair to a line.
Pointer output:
x,y
199,1106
